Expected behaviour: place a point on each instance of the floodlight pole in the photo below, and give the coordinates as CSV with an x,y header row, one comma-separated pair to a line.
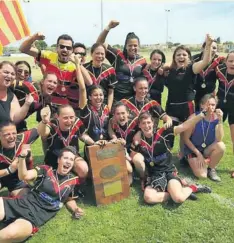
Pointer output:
x,y
167,24
101,15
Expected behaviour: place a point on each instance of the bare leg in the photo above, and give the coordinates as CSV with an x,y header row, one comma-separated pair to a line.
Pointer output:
x,y
81,168
138,161
178,193
2,209
200,172
17,231
151,196
232,136
215,151
129,169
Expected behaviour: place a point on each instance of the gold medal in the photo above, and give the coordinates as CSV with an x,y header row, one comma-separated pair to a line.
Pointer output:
x,y
152,163
101,136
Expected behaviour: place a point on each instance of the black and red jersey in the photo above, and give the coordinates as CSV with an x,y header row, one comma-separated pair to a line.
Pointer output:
x,y
157,150
59,139
156,83
207,76
126,70
104,76
226,84
7,156
136,107
180,83
48,193
21,89
96,121
126,131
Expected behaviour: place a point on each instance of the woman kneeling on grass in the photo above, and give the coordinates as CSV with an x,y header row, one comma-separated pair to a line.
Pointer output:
x,y
49,190
163,181
203,141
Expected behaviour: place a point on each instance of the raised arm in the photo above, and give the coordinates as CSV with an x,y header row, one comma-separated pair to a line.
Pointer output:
x,y
199,66
23,173
43,129
104,33
28,47
219,132
19,113
79,77
189,123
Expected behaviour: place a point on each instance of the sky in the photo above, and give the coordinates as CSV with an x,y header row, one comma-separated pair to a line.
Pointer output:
x,y
188,21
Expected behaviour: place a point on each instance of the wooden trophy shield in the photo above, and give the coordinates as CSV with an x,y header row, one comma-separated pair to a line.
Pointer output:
x,y
109,173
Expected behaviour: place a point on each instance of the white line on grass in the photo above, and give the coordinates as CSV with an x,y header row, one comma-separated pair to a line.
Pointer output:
x,y
222,200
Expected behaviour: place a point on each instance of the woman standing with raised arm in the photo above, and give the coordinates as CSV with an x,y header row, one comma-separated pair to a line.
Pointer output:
x,y
128,63
206,79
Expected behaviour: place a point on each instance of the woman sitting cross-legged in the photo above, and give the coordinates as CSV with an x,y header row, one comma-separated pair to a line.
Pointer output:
x,y
162,181
49,190
203,141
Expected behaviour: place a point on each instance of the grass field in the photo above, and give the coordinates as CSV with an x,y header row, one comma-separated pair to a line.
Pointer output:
x,y
207,220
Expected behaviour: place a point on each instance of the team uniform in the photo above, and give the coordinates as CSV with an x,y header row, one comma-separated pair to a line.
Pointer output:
x,y
104,76
156,84
48,193
58,139
23,88
67,90
96,121
126,131
225,93
7,156
135,107
157,157
5,107
180,83
126,70
206,79
202,136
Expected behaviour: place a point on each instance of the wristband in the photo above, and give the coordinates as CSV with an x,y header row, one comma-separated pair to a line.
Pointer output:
x,y
22,156
107,28
9,170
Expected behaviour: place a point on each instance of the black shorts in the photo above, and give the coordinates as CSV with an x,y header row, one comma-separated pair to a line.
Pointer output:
x,y
29,210
160,181
228,110
180,112
12,182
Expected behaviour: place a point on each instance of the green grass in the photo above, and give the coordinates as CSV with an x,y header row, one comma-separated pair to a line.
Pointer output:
x,y
207,220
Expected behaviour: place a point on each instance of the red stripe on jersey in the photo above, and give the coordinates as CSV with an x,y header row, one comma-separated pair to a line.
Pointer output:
x,y
33,91
191,107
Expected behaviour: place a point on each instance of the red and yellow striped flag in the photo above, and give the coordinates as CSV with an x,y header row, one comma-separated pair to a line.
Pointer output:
x,y
13,25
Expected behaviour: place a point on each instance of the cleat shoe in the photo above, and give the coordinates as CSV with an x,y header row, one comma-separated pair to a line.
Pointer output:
x,y
192,197
212,174
203,188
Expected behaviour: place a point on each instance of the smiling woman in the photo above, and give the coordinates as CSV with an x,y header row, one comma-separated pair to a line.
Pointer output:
x,y
41,92
9,104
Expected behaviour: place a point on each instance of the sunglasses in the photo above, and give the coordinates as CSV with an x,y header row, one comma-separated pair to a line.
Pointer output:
x,y
80,53
69,48
20,71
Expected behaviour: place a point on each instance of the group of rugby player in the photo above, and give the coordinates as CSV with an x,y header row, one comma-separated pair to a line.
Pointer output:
x,y
99,103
